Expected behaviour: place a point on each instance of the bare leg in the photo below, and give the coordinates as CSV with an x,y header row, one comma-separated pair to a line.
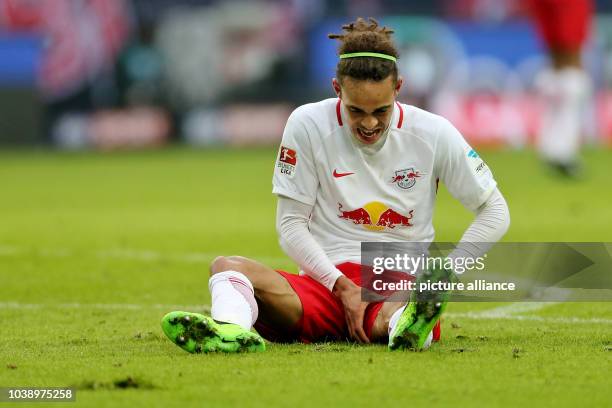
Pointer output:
x,y
380,329
279,306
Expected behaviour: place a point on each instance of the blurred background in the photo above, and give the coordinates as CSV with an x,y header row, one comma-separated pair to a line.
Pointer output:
x,y
116,74
137,144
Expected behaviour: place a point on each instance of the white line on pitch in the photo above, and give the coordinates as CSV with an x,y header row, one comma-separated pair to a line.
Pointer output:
x,y
514,309
188,257
8,250
144,255
547,319
206,308
103,306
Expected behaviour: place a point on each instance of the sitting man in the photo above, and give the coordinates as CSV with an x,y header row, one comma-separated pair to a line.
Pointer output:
x,y
359,167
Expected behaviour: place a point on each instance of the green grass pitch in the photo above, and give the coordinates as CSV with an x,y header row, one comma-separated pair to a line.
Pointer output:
x,y
95,248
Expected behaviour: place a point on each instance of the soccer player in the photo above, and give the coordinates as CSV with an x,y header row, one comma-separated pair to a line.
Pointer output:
x,y
565,86
359,167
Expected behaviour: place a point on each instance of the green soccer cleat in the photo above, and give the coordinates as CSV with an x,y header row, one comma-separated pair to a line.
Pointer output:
x,y
421,313
196,333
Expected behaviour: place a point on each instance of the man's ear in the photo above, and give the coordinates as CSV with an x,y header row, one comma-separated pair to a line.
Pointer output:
x,y
398,85
337,87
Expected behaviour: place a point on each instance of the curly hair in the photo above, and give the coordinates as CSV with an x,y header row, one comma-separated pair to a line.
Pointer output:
x,y
366,36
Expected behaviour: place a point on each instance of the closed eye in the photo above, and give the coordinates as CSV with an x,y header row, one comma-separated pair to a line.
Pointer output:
x,y
382,109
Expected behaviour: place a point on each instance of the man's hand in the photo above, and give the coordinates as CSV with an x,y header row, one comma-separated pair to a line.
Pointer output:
x,y
354,309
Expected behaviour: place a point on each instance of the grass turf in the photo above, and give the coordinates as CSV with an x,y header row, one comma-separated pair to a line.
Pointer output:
x,y
95,248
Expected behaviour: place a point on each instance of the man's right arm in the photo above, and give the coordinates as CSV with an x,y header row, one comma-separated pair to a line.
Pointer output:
x,y
296,240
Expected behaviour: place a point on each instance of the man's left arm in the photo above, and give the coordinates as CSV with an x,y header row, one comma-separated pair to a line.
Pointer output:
x,y
470,180
491,223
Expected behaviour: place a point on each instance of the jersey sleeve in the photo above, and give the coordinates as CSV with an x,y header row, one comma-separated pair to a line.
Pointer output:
x,y
460,168
295,175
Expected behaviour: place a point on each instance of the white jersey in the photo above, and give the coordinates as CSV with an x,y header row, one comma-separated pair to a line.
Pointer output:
x,y
385,196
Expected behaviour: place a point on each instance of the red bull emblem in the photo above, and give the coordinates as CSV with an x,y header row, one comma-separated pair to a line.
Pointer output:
x,y
376,216
405,178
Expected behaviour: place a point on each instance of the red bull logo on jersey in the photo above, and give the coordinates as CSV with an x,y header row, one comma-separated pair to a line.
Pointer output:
x,y
376,216
405,178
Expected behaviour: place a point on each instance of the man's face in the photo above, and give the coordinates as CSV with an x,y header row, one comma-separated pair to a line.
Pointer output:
x,y
369,105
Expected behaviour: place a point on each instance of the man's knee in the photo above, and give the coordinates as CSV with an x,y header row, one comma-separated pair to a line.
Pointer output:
x,y
228,263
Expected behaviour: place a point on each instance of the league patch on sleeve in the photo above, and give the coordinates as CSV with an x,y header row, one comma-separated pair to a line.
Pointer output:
x,y
287,160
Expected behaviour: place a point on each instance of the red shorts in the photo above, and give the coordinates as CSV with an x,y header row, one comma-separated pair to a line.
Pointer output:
x,y
563,24
323,314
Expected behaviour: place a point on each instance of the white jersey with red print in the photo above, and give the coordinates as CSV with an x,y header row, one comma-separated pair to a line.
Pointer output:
x,y
386,196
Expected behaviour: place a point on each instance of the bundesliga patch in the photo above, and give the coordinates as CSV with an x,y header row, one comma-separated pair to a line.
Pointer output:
x,y
287,160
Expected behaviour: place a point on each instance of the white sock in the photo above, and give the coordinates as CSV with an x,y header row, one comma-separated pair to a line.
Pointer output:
x,y
428,341
394,318
565,95
393,321
233,299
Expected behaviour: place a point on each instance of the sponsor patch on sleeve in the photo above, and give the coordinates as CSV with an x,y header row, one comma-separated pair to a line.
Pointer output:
x,y
287,160
479,167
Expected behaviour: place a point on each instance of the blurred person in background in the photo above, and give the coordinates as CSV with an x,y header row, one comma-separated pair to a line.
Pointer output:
x,y
82,40
361,167
99,78
565,87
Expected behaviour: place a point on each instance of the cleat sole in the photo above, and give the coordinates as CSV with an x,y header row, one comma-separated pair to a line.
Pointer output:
x,y
421,315
196,333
